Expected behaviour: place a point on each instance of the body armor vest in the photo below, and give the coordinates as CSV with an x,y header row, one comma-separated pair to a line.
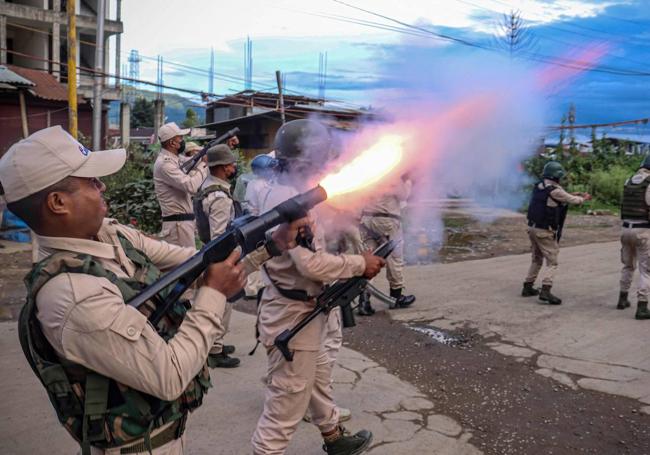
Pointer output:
x,y
543,216
94,409
633,205
202,218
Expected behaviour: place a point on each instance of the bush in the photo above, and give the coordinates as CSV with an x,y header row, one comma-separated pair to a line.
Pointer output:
x,y
130,193
607,185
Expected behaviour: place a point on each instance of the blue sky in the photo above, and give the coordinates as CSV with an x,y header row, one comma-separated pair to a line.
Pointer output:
x,y
364,62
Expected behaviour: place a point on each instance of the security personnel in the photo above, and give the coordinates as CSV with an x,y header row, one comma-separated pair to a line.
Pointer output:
x,y
174,188
292,283
380,221
547,211
118,385
635,238
214,210
263,167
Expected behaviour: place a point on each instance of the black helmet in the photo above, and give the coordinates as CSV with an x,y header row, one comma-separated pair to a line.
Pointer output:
x,y
262,164
553,170
303,140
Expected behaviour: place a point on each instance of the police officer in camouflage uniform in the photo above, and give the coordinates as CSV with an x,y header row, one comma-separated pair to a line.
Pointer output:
x,y
547,211
214,209
118,384
635,239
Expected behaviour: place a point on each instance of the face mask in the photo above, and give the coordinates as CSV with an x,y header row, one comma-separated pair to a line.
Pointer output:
x,y
181,147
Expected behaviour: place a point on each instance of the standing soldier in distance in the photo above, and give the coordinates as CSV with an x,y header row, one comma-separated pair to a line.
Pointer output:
x,y
292,283
174,188
214,210
118,384
547,211
380,221
635,239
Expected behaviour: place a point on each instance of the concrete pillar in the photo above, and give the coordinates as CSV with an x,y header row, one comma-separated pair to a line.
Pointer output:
x,y
125,124
158,115
3,39
56,43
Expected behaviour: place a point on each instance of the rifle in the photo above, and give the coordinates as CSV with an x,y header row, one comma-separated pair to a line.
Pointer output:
x,y
341,294
247,232
188,165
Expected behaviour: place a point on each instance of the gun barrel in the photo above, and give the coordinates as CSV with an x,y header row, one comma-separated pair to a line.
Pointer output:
x,y
189,164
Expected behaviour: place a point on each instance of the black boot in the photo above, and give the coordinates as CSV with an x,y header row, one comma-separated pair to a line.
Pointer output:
x,y
528,290
365,309
642,310
222,360
623,302
401,301
345,444
546,296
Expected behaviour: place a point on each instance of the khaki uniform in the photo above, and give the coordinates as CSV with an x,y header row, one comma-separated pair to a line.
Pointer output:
x,y
220,210
85,319
376,229
174,190
256,192
635,248
305,383
543,241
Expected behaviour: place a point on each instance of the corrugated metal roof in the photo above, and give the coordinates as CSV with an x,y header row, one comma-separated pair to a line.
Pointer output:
x,y
7,76
45,85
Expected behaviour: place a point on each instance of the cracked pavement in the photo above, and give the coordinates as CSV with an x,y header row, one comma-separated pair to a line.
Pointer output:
x,y
584,342
401,418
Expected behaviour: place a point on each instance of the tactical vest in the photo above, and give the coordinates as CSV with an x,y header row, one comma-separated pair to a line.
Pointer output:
x,y
543,216
202,218
633,205
94,409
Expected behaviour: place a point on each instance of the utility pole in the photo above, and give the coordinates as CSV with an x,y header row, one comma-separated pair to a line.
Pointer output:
x,y
99,77
278,77
211,76
72,67
118,46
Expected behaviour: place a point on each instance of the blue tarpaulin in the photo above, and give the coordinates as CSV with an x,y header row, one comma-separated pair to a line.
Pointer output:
x,y
14,229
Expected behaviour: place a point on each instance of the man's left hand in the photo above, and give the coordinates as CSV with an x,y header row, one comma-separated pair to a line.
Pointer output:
x,y
233,142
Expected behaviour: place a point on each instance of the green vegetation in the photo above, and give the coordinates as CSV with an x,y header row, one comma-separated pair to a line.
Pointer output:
x,y
130,193
601,173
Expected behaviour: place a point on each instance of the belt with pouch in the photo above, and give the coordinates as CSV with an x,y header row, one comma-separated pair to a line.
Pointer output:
x,y
635,225
179,217
172,432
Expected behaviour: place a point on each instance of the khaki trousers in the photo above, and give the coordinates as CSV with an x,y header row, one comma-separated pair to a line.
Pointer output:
x,y
543,246
217,346
179,233
635,248
291,389
374,231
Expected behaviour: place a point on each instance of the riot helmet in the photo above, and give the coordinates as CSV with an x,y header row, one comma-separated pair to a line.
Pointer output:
x,y
553,170
263,165
304,144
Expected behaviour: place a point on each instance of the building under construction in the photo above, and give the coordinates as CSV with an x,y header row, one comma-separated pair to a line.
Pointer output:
x,y
34,72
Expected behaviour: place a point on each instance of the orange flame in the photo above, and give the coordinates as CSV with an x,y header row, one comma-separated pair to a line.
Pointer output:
x,y
369,167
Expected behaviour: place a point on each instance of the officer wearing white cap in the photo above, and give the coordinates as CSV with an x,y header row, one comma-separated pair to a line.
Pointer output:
x,y
118,384
214,209
174,188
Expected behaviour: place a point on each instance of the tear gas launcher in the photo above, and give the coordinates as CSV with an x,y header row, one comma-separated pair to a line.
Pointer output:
x,y
340,294
188,165
247,232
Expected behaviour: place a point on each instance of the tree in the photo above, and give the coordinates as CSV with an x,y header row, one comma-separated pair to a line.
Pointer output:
x,y
142,114
191,119
514,36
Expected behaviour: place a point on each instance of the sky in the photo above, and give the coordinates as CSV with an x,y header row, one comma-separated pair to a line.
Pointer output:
x,y
365,52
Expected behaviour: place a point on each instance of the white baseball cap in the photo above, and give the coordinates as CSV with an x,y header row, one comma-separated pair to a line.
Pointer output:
x,y
47,157
170,130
